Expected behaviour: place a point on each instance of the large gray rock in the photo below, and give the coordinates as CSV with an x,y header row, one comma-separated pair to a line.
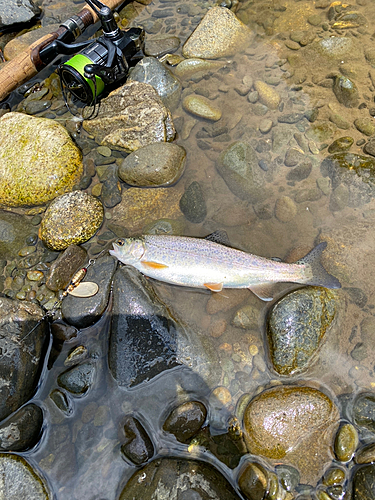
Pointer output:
x,y
19,480
138,314
219,34
38,160
176,479
296,327
238,166
131,116
22,344
364,483
16,12
150,70
22,430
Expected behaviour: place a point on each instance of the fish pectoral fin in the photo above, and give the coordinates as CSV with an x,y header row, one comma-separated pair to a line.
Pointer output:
x,y
153,265
263,290
214,287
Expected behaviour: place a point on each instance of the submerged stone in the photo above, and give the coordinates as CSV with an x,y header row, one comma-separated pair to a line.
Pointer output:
x,y
71,219
178,478
38,160
22,430
346,443
78,379
296,327
346,91
219,34
186,420
238,166
150,70
364,411
364,483
193,204
341,144
295,425
155,165
138,447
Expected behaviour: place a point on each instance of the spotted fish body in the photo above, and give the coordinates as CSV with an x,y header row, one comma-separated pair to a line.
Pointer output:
x,y
202,263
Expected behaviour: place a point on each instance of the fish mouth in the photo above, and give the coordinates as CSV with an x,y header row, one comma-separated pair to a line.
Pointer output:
x,y
115,250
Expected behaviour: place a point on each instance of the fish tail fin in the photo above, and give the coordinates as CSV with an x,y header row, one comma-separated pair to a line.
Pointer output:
x,y
319,276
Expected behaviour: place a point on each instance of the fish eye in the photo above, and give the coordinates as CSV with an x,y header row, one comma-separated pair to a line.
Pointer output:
x,y
120,243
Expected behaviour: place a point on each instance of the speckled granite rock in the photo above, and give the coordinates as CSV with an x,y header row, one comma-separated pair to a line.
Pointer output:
x,y
219,34
295,425
71,219
131,116
38,160
20,480
17,12
296,327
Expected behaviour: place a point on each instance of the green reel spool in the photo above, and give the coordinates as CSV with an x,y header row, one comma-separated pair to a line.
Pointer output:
x,y
72,74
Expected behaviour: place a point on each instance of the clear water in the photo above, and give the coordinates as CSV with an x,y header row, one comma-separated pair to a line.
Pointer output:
x,y
80,455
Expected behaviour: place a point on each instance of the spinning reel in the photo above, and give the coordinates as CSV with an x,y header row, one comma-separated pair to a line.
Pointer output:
x,y
100,63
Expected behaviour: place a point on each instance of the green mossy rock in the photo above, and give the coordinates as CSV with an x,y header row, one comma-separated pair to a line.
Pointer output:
x,y
38,160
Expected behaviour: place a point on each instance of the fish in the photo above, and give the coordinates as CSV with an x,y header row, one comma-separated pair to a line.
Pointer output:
x,y
210,263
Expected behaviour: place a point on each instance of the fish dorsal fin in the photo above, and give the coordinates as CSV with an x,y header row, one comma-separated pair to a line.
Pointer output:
x,y
219,236
214,287
263,290
153,265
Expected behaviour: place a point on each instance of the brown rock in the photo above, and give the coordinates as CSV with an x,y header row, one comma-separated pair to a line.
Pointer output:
x,y
65,266
131,117
294,424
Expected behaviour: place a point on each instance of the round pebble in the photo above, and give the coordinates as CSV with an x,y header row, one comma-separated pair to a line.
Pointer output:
x,y
104,151
35,275
27,250
202,107
346,442
72,218
222,394
285,209
265,126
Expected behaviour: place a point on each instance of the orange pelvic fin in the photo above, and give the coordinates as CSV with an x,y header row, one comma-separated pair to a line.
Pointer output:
x,y
214,287
153,265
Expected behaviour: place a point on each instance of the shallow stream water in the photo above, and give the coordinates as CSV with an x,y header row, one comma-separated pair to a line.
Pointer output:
x,y
80,455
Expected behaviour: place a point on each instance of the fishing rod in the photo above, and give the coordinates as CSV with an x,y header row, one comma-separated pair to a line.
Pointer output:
x,y
108,58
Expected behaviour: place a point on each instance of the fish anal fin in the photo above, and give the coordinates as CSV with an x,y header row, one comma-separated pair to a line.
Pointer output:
x,y
264,291
153,265
214,287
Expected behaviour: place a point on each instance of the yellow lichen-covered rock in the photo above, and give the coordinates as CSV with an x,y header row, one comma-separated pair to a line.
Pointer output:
x,y
71,219
219,34
38,160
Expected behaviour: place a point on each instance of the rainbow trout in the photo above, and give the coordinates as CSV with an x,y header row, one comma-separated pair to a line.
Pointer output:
x,y
204,263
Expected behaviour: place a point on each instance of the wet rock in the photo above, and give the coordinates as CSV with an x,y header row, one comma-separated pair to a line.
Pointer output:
x,y
290,118
62,402
366,454
254,481
186,420
159,164
22,343
219,34
365,125
14,229
285,209
334,476
38,160
339,121
111,191
238,166
346,91
17,12
177,478
364,483
289,476
71,219
192,204
82,312
190,67
165,226
138,313
369,147
20,479
293,424
296,327
79,379
341,144
64,267
131,116
202,107
143,206
246,317
161,45
346,443
138,447
293,156
300,172
364,411
356,172
150,70
267,95
22,430
339,198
